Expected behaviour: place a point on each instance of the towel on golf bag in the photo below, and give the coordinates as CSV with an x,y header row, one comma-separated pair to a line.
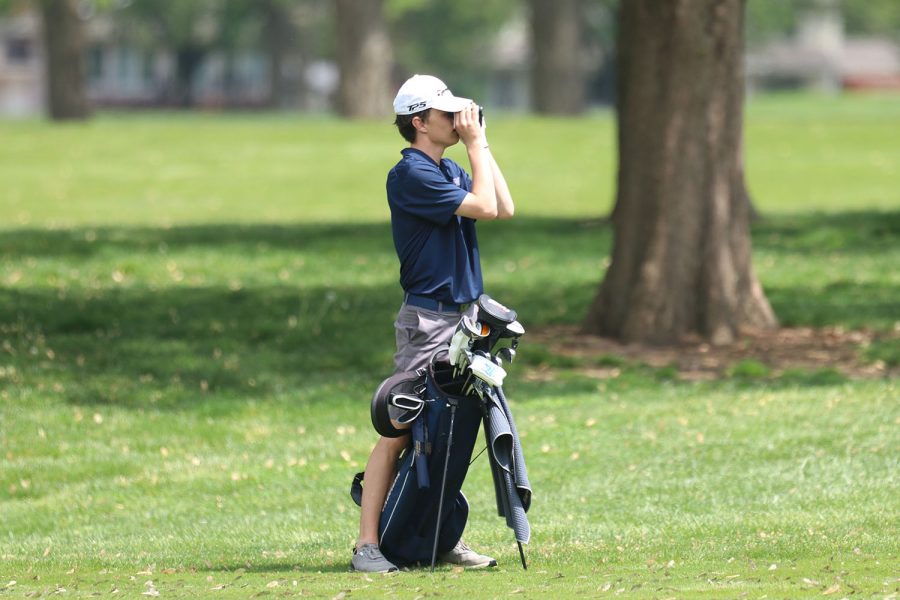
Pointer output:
x,y
511,486
409,518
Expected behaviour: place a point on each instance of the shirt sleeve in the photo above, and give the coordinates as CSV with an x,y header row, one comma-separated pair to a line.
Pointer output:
x,y
426,193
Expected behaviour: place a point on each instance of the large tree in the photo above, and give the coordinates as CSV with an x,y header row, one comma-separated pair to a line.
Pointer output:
x,y
190,30
681,261
557,72
64,46
364,59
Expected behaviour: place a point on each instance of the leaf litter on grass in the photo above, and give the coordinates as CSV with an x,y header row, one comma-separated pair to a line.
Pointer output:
x,y
788,352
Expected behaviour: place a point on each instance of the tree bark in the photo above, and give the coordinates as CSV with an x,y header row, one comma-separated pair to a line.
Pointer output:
x,y
557,75
364,59
64,45
681,263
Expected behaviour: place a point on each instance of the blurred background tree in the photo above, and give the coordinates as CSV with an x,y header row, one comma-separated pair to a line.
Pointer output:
x,y
63,40
449,38
192,31
557,81
554,57
364,57
777,18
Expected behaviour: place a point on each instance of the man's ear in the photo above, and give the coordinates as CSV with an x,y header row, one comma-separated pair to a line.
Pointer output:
x,y
420,124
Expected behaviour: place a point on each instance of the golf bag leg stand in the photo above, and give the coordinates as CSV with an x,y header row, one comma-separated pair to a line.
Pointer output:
x,y
437,525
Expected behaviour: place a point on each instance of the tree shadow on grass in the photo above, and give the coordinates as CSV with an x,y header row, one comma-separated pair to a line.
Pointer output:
x,y
852,233
174,344
506,239
124,346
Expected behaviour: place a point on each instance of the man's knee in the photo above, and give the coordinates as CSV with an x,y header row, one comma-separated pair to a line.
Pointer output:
x,y
394,445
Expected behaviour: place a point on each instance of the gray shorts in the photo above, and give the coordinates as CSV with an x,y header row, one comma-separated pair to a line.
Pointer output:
x,y
420,333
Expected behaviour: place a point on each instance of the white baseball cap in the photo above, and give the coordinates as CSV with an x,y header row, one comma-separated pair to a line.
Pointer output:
x,y
424,91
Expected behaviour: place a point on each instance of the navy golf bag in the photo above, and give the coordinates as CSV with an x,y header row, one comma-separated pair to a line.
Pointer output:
x,y
410,515
425,511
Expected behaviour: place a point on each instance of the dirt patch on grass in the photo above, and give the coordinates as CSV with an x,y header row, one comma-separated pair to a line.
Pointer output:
x,y
756,354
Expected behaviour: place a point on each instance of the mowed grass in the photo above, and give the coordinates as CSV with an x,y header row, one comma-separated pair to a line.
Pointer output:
x,y
803,154
194,311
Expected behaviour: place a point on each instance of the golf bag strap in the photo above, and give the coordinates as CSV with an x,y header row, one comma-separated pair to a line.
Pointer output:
x,y
421,447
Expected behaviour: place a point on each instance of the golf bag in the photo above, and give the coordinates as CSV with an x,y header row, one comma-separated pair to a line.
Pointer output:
x,y
408,521
444,404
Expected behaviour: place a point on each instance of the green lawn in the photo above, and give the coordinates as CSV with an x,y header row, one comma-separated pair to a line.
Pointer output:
x,y
194,311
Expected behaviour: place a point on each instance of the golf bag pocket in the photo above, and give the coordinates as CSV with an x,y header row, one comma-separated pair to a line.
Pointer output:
x,y
410,519
399,399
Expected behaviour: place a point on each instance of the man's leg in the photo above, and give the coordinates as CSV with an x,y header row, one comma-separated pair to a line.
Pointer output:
x,y
419,334
379,474
380,471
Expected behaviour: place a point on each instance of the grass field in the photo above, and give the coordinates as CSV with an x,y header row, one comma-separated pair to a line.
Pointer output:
x,y
194,311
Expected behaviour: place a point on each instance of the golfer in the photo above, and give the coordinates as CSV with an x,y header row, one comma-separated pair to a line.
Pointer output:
x,y
434,205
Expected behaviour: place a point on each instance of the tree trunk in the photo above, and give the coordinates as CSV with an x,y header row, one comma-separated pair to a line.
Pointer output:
x,y
364,58
557,76
681,262
279,28
64,44
188,59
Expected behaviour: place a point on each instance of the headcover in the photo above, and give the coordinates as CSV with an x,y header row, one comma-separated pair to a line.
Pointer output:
x,y
398,399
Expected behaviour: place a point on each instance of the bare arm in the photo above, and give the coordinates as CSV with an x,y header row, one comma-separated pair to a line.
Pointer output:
x,y
505,206
481,202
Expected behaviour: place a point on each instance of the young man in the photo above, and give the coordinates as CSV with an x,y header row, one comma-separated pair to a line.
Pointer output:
x,y
434,205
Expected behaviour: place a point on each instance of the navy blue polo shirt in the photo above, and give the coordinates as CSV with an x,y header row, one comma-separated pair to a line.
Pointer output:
x,y
438,250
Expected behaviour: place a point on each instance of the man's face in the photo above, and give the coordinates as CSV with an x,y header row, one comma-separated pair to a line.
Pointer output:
x,y
440,127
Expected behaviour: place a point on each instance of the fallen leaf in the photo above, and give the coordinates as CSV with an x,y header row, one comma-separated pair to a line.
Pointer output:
x,y
833,589
272,584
